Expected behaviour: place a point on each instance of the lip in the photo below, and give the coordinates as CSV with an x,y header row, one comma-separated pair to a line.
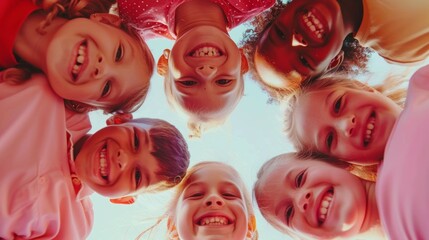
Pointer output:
x,y
231,220
319,204
304,29
74,58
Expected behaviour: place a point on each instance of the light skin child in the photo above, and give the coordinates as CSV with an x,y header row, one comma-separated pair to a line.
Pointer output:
x,y
122,160
82,66
203,71
315,199
303,39
211,202
342,118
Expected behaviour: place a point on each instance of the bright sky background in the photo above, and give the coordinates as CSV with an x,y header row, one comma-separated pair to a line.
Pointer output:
x,y
251,136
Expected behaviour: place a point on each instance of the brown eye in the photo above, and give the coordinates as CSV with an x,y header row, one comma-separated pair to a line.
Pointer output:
x,y
119,53
223,82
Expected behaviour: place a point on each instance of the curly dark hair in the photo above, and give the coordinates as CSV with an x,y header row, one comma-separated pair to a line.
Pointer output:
x,y
355,56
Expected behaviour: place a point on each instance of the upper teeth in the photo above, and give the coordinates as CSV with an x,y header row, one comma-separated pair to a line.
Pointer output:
x,y
214,221
369,129
206,51
314,24
324,206
103,162
79,59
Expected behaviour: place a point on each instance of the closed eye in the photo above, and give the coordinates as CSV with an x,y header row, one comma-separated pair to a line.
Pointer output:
x,y
106,89
137,177
289,214
119,53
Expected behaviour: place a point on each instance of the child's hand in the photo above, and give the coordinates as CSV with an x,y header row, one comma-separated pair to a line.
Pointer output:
x,y
119,118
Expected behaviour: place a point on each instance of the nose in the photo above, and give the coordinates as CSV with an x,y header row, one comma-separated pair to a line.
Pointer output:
x,y
121,159
99,68
347,125
206,71
298,40
214,201
304,201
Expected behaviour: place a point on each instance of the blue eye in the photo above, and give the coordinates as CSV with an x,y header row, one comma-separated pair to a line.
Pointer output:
x,y
106,89
119,53
337,104
223,82
138,177
299,180
288,214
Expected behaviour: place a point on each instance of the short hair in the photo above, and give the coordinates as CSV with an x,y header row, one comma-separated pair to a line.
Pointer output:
x,y
170,149
355,61
391,88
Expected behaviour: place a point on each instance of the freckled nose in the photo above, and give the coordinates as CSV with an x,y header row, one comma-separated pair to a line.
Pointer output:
x,y
206,71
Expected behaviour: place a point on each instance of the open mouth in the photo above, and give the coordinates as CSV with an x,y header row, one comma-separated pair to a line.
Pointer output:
x,y
103,164
369,129
214,221
313,25
325,204
79,60
206,51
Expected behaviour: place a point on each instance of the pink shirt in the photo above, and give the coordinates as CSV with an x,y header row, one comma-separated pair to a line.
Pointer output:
x,y
37,196
12,16
156,18
402,189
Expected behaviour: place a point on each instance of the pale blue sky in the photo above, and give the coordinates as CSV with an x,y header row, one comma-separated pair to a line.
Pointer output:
x,y
251,136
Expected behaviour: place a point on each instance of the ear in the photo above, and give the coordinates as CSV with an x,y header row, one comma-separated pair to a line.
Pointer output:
x,y
172,231
162,65
119,118
244,62
107,18
251,227
336,62
123,200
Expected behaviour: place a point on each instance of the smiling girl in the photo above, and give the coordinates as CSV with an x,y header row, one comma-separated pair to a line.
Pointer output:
x,y
204,69
81,66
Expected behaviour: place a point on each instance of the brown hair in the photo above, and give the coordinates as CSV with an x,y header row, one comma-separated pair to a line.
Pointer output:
x,y
170,149
84,8
391,88
355,56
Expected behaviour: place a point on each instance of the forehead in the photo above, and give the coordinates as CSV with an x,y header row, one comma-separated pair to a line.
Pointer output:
x,y
216,173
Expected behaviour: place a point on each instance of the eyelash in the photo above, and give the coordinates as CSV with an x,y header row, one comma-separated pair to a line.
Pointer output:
x,y
136,140
299,179
106,89
223,82
304,61
279,32
119,53
288,214
329,140
338,104
188,83
138,177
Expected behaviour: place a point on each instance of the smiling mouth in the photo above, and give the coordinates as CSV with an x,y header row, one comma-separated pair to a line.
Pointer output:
x,y
206,51
314,25
80,59
369,129
104,168
324,206
214,221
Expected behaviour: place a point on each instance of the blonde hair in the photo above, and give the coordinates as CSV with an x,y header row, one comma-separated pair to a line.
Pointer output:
x,y
391,88
170,213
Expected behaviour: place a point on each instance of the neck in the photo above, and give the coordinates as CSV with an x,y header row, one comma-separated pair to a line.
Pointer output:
x,y
78,145
31,45
352,12
372,219
199,13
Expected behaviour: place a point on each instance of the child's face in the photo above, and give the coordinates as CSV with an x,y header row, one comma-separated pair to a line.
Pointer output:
x,y
116,161
350,124
205,70
212,206
314,198
304,39
96,63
